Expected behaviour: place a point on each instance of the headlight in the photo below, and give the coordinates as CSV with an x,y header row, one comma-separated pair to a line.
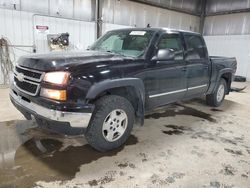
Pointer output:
x,y
54,94
60,78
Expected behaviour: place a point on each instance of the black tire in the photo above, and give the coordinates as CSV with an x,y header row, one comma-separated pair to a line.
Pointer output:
x,y
103,107
240,79
212,98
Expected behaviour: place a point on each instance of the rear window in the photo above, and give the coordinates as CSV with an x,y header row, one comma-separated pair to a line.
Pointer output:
x,y
196,48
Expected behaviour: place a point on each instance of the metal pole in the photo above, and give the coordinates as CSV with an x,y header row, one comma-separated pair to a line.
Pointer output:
x,y
203,15
98,19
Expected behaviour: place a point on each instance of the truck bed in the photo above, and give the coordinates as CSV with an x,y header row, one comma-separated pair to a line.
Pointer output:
x,y
226,62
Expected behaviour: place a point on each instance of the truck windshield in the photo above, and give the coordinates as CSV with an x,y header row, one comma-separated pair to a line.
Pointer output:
x,y
127,43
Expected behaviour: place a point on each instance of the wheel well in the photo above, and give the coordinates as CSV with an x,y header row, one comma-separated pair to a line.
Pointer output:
x,y
127,92
228,79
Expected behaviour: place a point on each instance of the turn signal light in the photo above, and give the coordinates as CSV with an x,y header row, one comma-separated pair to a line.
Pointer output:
x,y
60,95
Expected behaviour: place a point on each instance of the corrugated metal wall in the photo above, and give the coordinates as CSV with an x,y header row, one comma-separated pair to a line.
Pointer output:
x,y
17,26
79,9
216,6
232,46
219,22
107,27
18,21
230,24
192,6
227,34
81,33
129,13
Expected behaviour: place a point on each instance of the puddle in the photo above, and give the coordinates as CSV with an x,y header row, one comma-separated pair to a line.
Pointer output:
x,y
176,130
234,152
44,161
173,132
216,110
185,111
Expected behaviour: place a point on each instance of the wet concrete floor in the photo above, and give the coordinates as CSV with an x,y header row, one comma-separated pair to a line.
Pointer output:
x,y
183,145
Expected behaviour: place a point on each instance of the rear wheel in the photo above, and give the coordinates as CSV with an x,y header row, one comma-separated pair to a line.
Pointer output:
x,y
218,96
111,123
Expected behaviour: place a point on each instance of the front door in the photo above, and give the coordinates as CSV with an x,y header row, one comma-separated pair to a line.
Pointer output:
x,y
165,81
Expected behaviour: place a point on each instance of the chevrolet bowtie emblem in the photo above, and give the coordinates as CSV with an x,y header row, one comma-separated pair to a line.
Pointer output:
x,y
20,77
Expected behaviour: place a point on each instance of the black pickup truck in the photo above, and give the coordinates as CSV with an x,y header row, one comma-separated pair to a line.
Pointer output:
x,y
124,75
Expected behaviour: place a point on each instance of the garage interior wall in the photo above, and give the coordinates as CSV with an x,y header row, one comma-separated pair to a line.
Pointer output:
x,y
18,19
227,31
135,14
226,20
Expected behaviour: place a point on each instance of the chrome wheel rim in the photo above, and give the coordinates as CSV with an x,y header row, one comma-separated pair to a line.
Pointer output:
x,y
220,93
114,125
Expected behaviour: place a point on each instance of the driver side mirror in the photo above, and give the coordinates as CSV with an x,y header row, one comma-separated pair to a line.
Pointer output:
x,y
164,55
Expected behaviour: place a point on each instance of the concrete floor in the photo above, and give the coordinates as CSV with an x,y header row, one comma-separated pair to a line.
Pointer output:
x,y
185,145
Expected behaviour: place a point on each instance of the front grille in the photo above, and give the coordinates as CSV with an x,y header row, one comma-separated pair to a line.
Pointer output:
x,y
26,86
28,73
27,80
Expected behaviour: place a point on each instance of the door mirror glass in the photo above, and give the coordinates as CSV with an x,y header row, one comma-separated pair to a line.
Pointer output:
x,y
164,55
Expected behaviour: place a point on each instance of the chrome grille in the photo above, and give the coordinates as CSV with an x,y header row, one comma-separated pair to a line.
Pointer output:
x,y
27,80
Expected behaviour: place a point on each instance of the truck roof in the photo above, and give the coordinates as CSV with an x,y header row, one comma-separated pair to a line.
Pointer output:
x,y
157,29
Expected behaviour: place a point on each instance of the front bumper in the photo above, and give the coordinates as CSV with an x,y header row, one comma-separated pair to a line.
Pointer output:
x,y
28,108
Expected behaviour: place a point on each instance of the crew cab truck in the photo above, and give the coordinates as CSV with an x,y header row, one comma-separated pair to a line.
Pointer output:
x,y
124,75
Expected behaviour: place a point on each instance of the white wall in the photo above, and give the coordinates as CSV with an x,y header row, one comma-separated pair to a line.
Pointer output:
x,y
107,27
19,28
80,9
232,46
134,14
17,21
81,33
230,24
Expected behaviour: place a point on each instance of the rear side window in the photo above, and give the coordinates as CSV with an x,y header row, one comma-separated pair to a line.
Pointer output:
x,y
196,48
173,42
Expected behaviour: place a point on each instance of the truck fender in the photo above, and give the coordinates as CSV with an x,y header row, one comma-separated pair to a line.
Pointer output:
x,y
221,72
136,83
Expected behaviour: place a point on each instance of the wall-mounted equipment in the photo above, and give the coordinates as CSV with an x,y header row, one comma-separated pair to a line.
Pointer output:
x,y
58,42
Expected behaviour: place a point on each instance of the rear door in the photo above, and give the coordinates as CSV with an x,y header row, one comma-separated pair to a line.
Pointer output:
x,y
196,57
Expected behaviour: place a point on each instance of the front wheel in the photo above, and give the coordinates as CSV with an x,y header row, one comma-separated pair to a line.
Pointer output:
x,y
111,123
218,96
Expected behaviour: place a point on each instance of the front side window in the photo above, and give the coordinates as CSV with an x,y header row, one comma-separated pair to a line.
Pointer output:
x,y
172,42
196,48
127,43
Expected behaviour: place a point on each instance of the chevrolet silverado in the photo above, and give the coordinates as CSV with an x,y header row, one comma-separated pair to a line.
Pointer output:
x,y
125,74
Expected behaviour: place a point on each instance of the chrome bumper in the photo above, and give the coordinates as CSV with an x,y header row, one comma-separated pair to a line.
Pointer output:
x,y
75,119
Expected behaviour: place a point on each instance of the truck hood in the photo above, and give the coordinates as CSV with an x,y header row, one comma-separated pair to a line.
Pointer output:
x,y
55,61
